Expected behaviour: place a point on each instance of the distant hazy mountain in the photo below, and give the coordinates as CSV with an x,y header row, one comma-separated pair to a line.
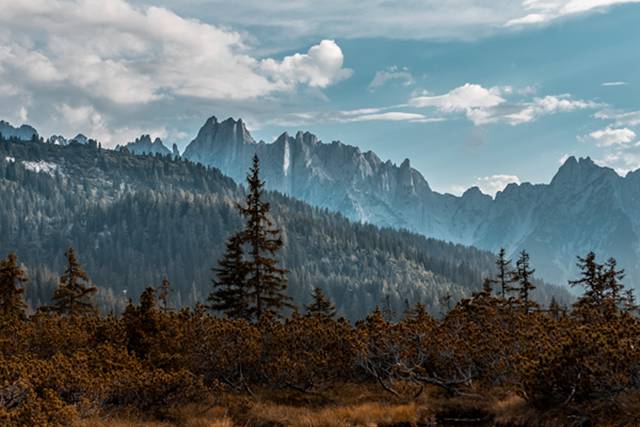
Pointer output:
x,y
133,219
144,145
24,132
585,207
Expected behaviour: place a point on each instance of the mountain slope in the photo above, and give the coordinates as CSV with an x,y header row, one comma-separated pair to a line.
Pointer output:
x,y
134,218
585,207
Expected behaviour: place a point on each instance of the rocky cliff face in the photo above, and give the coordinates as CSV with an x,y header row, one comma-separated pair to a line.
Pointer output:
x,y
585,207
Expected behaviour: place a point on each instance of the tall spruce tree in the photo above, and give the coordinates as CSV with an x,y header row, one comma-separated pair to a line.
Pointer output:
x,y
12,279
74,295
250,283
505,276
266,281
230,288
321,305
524,275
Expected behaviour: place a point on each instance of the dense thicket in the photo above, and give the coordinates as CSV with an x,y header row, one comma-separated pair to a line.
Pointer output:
x,y
136,219
580,364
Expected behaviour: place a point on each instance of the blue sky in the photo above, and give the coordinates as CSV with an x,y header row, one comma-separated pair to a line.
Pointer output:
x,y
472,92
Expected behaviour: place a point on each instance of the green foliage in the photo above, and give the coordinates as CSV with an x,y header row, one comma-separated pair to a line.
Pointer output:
x,y
135,219
74,294
320,305
12,279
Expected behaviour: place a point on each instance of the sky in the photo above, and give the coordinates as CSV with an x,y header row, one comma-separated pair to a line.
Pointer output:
x,y
473,92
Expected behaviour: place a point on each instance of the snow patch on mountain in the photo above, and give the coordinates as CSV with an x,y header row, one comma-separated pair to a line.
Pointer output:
x,y
41,166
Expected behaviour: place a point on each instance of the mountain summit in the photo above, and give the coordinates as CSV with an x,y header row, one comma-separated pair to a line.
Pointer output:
x,y
585,206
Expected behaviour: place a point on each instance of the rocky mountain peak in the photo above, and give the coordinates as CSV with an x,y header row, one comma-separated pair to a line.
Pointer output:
x,y
580,172
24,132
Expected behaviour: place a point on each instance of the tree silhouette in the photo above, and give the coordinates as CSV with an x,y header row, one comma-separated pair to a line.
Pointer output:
x,y
321,305
74,293
230,288
12,278
265,279
505,276
524,276
163,295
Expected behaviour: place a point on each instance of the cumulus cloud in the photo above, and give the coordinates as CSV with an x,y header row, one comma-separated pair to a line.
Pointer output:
x,y
494,105
118,59
611,136
86,120
129,55
393,73
542,11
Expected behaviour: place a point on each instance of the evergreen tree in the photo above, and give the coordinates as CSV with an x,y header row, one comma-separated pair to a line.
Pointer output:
x,y
230,288
524,276
504,279
163,295
321,305
12,278
590,279
74,293
266,281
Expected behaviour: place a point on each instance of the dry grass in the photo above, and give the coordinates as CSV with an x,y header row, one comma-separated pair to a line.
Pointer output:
x,y
269,414
336,416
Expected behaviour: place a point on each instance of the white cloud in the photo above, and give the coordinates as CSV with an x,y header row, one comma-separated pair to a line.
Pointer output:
x,y
86,120
620,118
494,183
115,51
140,67
23,114
463,98
611,136
542,11
358,115
404,19
616,83
492,105
393,73
488,184
528,111
319,67
622,160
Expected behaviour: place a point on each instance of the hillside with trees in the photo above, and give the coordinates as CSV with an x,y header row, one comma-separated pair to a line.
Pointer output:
x,y
250,357
136,220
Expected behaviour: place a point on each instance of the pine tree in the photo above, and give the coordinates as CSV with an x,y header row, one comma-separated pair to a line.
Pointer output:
x,y
504,279
590,279
321,305
230,288
163,295
266,281
12,278
74,293
524,275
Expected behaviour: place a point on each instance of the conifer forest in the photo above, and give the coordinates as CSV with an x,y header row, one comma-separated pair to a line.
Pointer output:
x,y
152,291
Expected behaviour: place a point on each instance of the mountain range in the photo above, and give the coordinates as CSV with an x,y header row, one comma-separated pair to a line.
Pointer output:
x,y
584,207
134,219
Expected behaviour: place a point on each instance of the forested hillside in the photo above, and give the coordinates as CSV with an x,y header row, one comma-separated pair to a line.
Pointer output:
x,y
135,219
